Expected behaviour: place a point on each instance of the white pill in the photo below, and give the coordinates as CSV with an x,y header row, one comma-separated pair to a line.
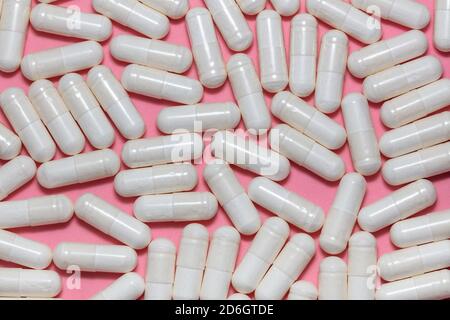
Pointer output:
x,y
262,252
13,31
160,270
387,53
116,102
231,23
303,55
191,261
272,54
174,9
286,268
26,123
286,7
341,217
205,48
57,118
130,286
24,252
134,15
286,204
398,205
333,279
17,283
232,197
248,92
402,78
306,153
441,32
16,173
303,290
10,144
251,7
331,71
239,296
220,264
86,110
61,60
37,211
77,169
362,262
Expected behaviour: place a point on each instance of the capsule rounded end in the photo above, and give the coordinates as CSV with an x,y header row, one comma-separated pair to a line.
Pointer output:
x,y
330,244
162,245
333,265
196,231
304,242
368,166
362,239
277,225
442,44
228,233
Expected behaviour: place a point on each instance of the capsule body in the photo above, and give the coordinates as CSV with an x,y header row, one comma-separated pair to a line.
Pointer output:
x,y
239,296
333,279
441,35
286,7
303,290
10,144
251,7
130,286
15,282
16,173
174,9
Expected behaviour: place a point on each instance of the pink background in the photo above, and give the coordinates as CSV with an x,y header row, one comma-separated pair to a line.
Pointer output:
x,y
300,180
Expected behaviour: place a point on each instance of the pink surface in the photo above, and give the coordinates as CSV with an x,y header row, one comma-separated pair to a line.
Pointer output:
x,y
301,181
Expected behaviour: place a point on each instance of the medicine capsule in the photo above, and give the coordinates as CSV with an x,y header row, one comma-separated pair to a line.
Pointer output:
x,y
10,144
251,7
57,118
303,290
286,268
398,205
130,286
248,93
333,279
286,204
191,262
231,23
26,123
116,102
307,153
62,60
303,55
232,197
262,252
331,71
220,264
272,55
14,174
15,282
387,53
239,296
134,15
341,217
286,7
77,169
441,35
206,49
174,9
402,78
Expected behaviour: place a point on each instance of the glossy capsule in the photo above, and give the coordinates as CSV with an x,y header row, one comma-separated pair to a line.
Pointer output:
x,y
174,9
303,290
16,283
16,173
333,279
10,144
130,286
251,7
286,7
441,30
239,296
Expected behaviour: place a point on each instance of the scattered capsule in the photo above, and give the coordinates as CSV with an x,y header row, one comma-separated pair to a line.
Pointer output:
x,y
441,34
239,296
15,282
251,7
10,144
286,7
174,9
130,286
16,173
333,279
303,290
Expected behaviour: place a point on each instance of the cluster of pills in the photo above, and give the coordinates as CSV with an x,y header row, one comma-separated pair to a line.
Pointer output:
x,y
160,173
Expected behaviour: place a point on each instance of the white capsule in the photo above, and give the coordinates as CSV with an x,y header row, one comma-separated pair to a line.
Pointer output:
x,y
286,7
333,279
441,32
86,110
362,261
398,205
402,78
286,268
17,283
160,270
303,290
24,252
10,144
37,211
262,252
331,71
14,174
251,7
239,296
387,53
191,261
57,118
232,197
231,23
77,169
220,264
206,49
272,54
116,102
62,60
341,217
26,123
303,55
361,134
134,15
286,204
306,153
248,92
174,9
343,16
13,31
130,286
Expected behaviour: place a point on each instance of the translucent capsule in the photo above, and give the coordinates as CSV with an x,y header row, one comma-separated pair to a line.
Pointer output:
x,y
307,153
14,174
26,123
262,252
333,279
286,7
341,217
174,9
441,35
398,205
112,221
402,78
239,296
191,262
18,283
272,54
10,144
303,290
77,169
62,60
251,7
130,286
